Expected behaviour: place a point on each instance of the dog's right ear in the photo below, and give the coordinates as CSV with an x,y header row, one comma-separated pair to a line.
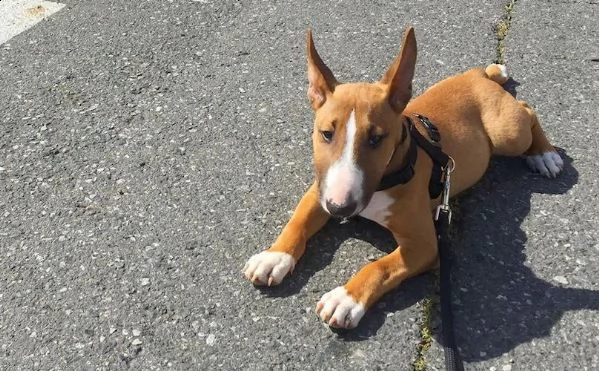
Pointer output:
x,y
321,82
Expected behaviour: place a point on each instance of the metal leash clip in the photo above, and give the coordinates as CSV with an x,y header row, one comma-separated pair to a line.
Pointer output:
x,y
444,207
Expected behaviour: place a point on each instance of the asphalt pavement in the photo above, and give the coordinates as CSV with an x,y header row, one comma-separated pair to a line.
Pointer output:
x,y
148,148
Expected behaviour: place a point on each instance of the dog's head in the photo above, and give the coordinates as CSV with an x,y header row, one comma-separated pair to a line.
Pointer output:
x,y
357,128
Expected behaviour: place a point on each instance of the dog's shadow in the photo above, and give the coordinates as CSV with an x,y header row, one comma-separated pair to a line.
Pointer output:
x,y
511,87
499,302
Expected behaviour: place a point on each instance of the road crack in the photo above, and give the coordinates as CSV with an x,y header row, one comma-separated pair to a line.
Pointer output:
x,y
426,337
501,30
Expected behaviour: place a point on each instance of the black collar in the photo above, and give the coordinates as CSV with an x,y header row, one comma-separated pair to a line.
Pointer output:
x,y
432,148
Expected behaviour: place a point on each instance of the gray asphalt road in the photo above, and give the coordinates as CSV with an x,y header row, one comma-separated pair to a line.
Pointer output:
x,y
147,149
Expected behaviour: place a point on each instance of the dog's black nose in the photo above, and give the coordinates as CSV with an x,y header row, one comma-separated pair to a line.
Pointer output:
x,y
342,211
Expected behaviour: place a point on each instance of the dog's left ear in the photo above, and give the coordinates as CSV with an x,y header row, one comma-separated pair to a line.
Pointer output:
x,y
400,74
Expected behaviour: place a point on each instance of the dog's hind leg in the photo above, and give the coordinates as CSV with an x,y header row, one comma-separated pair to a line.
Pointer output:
x,y
514,129
541,155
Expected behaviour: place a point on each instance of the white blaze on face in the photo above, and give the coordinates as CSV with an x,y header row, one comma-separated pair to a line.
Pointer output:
x,y
343,180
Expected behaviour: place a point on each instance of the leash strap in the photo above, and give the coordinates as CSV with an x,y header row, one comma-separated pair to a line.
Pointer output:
x,y
453,362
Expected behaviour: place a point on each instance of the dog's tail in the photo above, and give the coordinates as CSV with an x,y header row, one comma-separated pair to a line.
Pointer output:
x,y
497,73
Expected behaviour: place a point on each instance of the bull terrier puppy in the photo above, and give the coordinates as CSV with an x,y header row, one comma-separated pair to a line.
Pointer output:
x,y
362,134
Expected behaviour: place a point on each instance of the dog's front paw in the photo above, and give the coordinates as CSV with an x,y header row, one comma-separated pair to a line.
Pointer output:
x,y
340,309
550,164
268,267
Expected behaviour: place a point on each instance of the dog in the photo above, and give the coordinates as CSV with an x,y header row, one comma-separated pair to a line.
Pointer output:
x,y
364,132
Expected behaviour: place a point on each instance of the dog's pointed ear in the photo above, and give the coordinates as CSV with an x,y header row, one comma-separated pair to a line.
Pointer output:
x,y
400,74
321,81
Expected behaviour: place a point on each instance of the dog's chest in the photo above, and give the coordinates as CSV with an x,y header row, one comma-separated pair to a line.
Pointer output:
x,y
378,210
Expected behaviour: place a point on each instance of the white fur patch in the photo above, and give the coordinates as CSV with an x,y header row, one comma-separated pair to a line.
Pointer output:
x,y
378,208
268,267
344,178
339,309
550,164
503,70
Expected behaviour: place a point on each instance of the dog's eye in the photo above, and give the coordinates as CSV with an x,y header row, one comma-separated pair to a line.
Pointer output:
x,y
327,135
375,140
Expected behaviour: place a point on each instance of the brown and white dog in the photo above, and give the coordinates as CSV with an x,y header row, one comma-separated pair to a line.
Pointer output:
x,y
360,135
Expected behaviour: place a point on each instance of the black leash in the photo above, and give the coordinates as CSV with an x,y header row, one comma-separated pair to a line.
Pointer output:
x,y
453,362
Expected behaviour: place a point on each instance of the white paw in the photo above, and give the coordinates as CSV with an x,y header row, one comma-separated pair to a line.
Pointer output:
x,y
550,164
339,309
268,267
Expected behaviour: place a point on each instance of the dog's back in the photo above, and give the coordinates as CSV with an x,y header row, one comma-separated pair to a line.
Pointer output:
x,y
477,118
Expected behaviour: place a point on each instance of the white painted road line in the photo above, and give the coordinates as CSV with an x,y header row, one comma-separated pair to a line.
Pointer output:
x,y
17,16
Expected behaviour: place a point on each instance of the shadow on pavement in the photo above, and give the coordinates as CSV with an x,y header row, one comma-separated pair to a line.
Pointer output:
x,y
510,86
499,301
